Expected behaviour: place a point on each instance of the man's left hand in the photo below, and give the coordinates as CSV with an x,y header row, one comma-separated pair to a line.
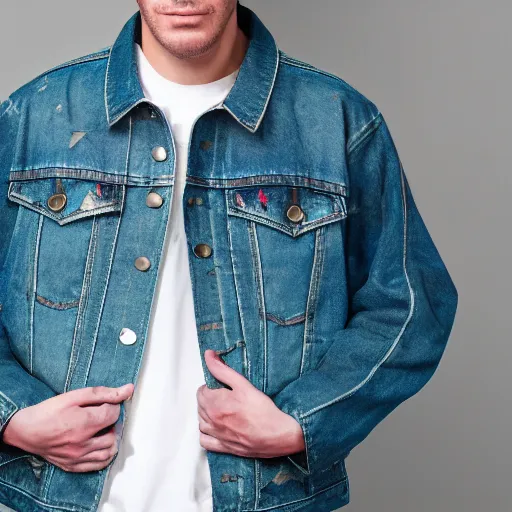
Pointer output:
x,y
243,420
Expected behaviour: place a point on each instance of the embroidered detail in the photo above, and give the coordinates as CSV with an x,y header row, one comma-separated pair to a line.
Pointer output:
x,y
98,189
263,199
240,200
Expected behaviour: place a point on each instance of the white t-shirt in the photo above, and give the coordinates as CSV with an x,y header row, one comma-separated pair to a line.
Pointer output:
x,y
161,466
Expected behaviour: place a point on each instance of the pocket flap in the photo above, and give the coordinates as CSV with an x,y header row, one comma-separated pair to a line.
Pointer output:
x,y
81,198
292,210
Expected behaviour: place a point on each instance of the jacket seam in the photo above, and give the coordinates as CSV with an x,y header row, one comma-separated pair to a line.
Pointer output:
x,y
287,59
364,133
100,54
397,339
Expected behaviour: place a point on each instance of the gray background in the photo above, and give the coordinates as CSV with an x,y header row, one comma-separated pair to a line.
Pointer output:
x,y
440,73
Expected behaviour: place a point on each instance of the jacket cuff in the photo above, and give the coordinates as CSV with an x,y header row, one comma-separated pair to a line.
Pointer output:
x,y
299,459
7,411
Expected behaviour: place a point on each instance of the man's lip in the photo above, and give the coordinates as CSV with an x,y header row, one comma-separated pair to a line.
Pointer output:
x,y
185,13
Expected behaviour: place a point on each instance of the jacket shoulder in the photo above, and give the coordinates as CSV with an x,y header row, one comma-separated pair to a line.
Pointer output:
x,y
38,83
359,113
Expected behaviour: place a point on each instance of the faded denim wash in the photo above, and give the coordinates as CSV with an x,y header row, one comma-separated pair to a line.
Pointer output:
x,y
338,309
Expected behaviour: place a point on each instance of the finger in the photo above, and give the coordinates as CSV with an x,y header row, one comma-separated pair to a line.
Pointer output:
x,y
212,444
103,455
224,373
203,414
100,442
98,417
206,428
99,394
85,467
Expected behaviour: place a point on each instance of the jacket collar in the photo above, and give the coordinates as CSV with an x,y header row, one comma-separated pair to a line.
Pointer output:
x,y
247,99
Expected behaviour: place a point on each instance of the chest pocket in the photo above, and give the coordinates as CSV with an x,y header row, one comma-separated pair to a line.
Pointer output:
x,y
61,244
291,210
66,199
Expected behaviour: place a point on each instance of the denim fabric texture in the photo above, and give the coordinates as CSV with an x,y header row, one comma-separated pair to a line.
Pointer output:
x,y
323,286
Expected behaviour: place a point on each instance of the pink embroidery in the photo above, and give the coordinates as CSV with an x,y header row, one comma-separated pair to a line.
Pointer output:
x,y
263,198
240,200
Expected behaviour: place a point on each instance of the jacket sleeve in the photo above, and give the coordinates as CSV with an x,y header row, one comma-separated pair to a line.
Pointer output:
x,y
402,304
18,388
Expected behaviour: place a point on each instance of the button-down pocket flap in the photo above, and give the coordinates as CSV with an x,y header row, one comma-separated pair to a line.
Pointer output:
x,y
82,198
293,211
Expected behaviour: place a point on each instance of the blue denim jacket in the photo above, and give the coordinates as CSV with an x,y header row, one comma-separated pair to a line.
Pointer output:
x,y
312,270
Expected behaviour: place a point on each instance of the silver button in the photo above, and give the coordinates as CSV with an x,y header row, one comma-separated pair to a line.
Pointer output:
x,y
154,200
127,336
159,153
142,263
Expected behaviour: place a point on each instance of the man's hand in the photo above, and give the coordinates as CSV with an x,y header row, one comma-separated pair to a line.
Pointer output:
x,y
243,421
63,428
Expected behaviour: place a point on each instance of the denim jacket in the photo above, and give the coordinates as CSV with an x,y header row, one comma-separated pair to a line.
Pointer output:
x,y
313,273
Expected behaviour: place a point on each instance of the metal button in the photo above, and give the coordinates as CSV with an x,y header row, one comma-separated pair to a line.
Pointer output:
x,y
127,336
199,200
142,263
159,153
154,200
190,201
202,250
57,202
295,213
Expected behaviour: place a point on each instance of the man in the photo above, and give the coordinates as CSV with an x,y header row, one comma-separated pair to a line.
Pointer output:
x,y
187,193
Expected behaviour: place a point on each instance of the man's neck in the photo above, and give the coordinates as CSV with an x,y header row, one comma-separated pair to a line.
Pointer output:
x,y
221,60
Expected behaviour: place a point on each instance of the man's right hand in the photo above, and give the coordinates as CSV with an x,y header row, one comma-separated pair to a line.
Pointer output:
x,y
63,428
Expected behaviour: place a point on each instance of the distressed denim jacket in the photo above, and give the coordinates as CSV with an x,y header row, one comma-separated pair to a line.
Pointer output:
x,y
313,273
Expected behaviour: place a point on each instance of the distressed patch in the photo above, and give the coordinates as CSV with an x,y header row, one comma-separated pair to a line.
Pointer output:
x,y
90,201
210,326
41,89
7,107
226,477
283,476
37,465
75,137
57,305
286,321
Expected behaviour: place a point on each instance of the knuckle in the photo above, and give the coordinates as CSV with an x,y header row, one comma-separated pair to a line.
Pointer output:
x,y
72,437
74,452
114,412
104,413
111,438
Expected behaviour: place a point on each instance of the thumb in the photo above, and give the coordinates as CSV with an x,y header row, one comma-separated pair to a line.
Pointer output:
x,y
100,394
222,372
